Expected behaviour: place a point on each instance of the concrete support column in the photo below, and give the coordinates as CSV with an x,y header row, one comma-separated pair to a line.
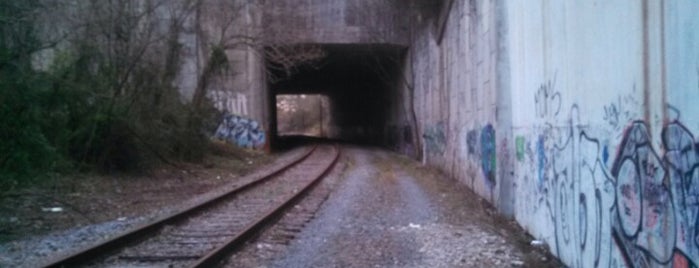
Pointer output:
x,y
653,66
506,150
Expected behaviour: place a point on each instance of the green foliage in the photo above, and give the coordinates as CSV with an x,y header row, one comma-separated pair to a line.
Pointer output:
x,y
105,102
25,150
218,61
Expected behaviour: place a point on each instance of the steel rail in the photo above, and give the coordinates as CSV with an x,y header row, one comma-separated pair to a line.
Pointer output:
x,y
136,233
216,255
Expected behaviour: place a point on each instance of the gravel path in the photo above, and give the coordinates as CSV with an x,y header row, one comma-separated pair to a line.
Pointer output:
x,y
390,212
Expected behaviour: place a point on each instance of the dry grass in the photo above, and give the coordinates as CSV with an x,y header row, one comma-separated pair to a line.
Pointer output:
x,y
92,198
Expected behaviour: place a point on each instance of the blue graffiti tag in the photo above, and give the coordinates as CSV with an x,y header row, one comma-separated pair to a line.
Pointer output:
x,y
488,157
243,132
435,138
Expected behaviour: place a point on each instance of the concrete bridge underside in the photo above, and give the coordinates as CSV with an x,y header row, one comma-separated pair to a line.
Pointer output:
x,y
361,82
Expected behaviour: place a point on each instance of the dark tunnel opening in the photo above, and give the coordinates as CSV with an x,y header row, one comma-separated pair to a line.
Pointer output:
x,y
360,82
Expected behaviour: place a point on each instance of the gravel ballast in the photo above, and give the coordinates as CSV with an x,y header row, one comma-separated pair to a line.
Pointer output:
x,y
389,211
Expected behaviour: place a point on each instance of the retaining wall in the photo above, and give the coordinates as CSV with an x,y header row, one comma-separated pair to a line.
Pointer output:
x,y
575,118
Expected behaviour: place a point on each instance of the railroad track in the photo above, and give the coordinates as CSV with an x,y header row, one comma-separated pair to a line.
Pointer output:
x,y
205,233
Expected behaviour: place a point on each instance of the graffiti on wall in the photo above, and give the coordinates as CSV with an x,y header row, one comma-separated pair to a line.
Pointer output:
x,y
488,154
230,102
642,212
605,154
547,100
472,141
435,138
541,160
682,159
657,197
612,113
618,112
575,192
643,200
472,150
243,132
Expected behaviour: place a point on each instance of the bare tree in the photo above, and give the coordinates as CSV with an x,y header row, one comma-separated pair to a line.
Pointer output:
x,y
287,59
224,25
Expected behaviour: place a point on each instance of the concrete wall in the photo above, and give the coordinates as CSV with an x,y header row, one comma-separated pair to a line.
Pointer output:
x,y
336,21
577,83
455,97
576,118
243,89
240,90
605,161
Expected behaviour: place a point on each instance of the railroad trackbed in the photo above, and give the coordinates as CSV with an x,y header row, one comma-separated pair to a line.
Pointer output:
x,y
210,231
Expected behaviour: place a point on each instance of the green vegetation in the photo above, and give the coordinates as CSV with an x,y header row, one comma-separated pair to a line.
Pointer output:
x,y
103,100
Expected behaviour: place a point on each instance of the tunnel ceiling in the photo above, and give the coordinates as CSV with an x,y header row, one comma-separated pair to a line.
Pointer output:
x,y
353,67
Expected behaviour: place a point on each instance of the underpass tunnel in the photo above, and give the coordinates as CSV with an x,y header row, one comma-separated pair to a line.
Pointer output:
x,y
350,95
303,115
